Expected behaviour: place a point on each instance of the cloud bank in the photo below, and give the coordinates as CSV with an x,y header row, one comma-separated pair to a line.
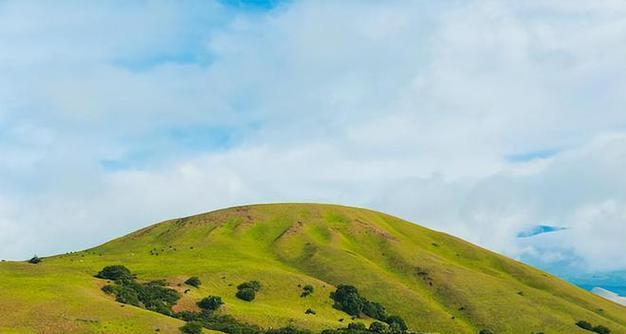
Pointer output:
x,y
478,118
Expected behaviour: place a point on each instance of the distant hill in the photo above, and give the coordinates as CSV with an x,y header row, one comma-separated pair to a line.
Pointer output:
x,y
436,282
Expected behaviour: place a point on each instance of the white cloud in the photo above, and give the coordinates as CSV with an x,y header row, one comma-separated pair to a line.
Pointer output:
x,y
409,108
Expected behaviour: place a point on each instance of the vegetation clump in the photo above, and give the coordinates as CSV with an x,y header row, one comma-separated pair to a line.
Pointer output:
x,y
307,290
192,327
375,327
193,281
584,325
154,295
115,273
34,260
211,303
378,327
246,294
254,285
597,329
347,299
247,290
288,330
223,323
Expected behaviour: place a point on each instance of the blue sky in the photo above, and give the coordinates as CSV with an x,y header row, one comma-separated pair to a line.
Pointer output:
x,y
484,119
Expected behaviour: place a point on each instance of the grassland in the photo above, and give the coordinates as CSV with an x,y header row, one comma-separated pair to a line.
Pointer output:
x,y
438,283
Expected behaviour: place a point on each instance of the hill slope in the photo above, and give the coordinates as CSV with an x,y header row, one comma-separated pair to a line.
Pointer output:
x,y
438,283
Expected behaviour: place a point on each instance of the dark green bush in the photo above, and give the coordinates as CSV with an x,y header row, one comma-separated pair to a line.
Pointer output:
x,y
192,327
108,289
485,331
357,326
288,330
254,285
35,259
307,290
211,303
127,295
374,310
347,299
222,323
193,281
115,273
154,295
247,294
601,329
584,325
378,327
395,322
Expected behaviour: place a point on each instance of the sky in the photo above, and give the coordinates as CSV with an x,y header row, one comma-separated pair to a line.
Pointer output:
x,y
501,122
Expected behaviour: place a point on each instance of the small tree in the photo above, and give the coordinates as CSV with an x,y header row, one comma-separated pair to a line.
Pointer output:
x,y
193,281
357,326
254,285
115,273
584,325
247,294
34,260
374,310
347,299
211,303
601,330
395,322
378,327
192,327
307,290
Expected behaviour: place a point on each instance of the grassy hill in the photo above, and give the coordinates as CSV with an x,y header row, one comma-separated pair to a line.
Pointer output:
x,y
436,282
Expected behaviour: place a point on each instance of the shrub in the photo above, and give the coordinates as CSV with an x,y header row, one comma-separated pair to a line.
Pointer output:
x,y
154,295
254,285
485,331
396,321
307,290
288,330
108,289
222,323
187,316
347,299
378,327
247,294
211,303
584,325
601,330
35,259
193,281
192,327
374,310
115,273
127,295
357,326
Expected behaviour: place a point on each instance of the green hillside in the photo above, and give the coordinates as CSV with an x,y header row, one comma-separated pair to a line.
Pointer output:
x,y
436,282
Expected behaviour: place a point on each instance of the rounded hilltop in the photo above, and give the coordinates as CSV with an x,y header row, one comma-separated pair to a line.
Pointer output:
x,y
434,281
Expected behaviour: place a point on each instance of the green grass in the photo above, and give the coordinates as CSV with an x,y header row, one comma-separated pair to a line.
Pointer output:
x,y
438,283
